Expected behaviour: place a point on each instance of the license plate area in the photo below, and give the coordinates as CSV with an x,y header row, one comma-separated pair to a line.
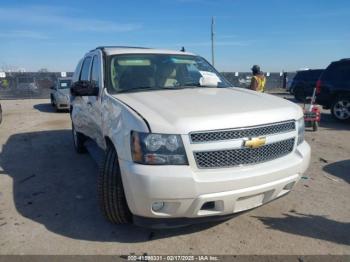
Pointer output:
x,y
249,202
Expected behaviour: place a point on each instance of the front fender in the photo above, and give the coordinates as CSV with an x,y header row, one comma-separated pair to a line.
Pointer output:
x,y
118,121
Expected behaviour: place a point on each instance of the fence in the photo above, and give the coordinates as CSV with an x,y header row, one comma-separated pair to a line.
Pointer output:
x,y
37,85
273,80
28,85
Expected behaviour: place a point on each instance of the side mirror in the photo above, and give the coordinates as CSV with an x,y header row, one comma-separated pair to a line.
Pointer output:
x,y
83,88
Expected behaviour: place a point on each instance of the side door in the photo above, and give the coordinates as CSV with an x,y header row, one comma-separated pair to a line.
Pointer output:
x,y
94,102
80,113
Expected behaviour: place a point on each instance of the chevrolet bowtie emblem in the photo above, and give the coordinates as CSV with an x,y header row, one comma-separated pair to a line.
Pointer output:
x,y
255,142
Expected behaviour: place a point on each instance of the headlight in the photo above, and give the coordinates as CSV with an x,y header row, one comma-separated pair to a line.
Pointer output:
x,y
157,149
301,130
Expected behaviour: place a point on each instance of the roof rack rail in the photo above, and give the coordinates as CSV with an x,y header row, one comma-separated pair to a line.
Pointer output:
x,y
103,47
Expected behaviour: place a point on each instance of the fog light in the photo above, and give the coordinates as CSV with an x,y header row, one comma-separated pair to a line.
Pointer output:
x,y
156,206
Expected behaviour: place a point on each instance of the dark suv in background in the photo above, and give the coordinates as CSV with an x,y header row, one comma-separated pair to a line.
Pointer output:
x,y
333,89
304,82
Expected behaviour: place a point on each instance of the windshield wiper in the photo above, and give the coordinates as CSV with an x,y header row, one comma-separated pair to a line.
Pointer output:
x,y
146,88
195,85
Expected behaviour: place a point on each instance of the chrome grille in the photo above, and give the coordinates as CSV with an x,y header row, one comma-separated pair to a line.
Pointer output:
x,y
275,128
243,156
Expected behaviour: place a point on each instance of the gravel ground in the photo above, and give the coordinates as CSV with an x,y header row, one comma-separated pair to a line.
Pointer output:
x,y
48,202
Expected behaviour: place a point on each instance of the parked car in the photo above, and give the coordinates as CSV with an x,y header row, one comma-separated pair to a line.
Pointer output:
x,y
60,94
181,145
304,83
333,89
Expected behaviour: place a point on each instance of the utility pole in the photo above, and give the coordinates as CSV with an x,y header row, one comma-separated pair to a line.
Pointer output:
x,y
212,40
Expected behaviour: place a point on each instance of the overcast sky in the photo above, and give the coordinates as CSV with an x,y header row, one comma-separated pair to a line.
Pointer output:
x,y
278,35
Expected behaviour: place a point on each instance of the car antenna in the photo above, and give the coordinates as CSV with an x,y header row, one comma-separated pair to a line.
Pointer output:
x,y
183,49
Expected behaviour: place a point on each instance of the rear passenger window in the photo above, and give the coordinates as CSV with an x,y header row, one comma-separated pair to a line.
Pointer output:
x,y
338,72
314,75
344,72
85,71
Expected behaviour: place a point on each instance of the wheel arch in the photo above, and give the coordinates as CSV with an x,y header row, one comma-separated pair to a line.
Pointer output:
x,y
340,94
108,142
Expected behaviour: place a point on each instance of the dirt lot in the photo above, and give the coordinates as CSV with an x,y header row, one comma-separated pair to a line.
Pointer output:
x,y
48,202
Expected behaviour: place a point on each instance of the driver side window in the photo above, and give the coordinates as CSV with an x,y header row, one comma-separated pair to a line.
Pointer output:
x,y
84,75
95,72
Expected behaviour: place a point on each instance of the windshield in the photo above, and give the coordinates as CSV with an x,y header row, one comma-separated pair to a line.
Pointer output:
x,y
64,84
144,72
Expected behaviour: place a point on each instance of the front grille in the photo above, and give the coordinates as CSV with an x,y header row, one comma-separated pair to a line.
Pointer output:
x,y
263,130
243,156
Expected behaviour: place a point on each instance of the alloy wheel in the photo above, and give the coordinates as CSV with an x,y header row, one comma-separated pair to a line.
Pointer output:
x,y
342,109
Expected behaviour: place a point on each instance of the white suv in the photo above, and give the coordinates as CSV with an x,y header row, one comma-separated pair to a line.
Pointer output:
x,y
181,145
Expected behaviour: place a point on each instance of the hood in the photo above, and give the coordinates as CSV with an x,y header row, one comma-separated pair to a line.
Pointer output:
x,y
198,109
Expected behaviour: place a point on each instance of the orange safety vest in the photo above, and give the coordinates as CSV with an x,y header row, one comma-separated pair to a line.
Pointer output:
x,y
261,83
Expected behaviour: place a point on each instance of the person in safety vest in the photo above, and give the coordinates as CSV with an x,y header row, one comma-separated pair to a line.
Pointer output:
x,y
258,80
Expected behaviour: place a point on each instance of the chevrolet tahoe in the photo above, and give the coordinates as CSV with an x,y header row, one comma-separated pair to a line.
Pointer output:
x,y
180,143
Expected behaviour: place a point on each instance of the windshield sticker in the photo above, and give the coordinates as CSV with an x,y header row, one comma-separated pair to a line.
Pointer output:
x,y
212,77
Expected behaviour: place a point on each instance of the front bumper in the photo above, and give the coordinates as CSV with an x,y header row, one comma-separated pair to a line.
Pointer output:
x,y
161,223
62,103
186,190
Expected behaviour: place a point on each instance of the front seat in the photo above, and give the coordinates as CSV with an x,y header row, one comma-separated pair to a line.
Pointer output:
x,y
136,77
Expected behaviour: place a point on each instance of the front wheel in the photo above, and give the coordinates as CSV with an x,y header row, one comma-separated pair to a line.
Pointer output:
x,y
341,109
111,191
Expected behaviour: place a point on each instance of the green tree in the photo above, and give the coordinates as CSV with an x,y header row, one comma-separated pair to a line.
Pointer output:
x,y
4,83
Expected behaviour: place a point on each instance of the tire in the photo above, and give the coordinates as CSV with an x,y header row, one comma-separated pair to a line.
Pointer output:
x,y
291,90
111,191
341,109
78,141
